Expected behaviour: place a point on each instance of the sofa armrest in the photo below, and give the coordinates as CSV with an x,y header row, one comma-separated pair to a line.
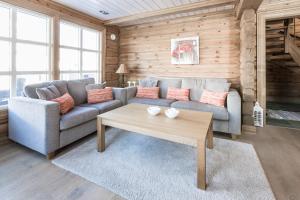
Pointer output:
x,y
120,94
235,112
34,123
131,92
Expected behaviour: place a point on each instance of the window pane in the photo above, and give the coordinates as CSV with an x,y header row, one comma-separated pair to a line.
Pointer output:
x,y
4,22
23,80
4,89
90,39
32,27
89,61
70,76
69,60
69,35
5,54
32,57
91,75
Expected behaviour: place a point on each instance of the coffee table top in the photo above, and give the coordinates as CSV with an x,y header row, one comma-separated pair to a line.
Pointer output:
x,y
134,117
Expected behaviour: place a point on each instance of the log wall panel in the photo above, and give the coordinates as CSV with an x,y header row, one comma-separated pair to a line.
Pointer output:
x,y
145,48
3,124
112,57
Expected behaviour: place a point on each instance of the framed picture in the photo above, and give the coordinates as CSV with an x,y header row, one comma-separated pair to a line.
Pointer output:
x,y
185,51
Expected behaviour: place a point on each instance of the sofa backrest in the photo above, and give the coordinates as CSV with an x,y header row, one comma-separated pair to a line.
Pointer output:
x,y
77,89
30,90
197,85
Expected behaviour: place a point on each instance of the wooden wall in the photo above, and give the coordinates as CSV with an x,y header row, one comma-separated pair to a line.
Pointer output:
x,y
146,48
112,56
3,124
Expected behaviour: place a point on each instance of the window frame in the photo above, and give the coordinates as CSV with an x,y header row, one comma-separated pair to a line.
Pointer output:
x,y
13,40
99,70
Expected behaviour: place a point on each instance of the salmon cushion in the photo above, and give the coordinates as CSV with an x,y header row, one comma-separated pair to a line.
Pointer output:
x,y
66,103
147,92
100,95
214,98
178,94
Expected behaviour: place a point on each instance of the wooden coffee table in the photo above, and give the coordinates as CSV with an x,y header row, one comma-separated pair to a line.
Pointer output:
x,y
190,127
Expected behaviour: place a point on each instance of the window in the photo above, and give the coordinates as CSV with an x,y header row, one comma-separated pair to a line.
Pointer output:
x,y
79,52
25,49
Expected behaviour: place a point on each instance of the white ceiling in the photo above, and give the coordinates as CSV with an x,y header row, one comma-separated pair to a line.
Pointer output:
x,y
121,8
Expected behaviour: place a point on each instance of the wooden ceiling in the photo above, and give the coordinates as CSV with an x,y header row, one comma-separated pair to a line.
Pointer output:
x,y
130,12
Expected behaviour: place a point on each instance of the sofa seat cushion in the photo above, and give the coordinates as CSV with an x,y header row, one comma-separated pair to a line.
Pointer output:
x,y
219,113
77,116
104,106
156,102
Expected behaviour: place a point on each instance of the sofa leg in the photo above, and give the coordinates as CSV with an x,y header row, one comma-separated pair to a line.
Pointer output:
x,y
234,137
51,155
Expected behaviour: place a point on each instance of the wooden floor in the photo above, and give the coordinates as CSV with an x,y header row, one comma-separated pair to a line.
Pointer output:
x,y
25,174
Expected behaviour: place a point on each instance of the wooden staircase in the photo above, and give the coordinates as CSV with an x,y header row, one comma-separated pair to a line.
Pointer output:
x,y
283,60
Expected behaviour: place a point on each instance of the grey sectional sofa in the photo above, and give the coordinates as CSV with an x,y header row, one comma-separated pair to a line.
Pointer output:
x,y
225,119
38,124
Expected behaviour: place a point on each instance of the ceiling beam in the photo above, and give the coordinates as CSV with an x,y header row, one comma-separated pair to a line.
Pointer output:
x,y
174,10
246,4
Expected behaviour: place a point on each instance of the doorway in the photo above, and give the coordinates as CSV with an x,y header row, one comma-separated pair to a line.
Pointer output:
x,y
283,72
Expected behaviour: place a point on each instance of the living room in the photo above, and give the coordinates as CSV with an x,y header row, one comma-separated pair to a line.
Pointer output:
x,y
129,99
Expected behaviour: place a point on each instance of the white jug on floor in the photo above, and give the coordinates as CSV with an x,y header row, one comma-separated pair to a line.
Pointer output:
x,y
258,115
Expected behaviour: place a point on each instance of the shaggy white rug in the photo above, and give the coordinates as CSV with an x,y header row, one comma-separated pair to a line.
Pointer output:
x,y
145,168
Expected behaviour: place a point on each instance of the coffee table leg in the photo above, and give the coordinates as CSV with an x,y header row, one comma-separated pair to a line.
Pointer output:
x,y
100,135
210,137
201,165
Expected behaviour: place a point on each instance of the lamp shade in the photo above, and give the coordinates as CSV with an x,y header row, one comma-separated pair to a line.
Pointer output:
x,y
122,69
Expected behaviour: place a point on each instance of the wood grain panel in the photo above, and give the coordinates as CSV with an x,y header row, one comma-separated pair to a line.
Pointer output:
x,y
146,48
3,124
112,56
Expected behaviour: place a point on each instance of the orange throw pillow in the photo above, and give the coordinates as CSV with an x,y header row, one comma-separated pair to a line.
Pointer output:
x,y
214,98
100,95
66,103
178,94
147,92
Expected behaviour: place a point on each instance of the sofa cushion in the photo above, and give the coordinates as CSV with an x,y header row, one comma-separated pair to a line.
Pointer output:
x,y
148,82
77,116
94,86
196,86
214,98
156,102
148,92
217,85
77,89
104,106
219,113
61,85
164,84
30,90
48,93
99,95
66,103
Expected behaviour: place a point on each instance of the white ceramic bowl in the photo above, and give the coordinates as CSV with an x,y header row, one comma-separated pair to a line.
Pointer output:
x,y
153,110
172,113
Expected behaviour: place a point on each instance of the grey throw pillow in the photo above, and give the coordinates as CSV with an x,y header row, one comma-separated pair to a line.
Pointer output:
x,y
48,93
95,86
148,82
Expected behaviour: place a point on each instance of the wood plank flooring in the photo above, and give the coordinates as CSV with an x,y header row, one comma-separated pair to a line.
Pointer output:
x,y
25,174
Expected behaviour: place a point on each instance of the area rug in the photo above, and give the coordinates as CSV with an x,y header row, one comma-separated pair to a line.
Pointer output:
x,y
138,167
